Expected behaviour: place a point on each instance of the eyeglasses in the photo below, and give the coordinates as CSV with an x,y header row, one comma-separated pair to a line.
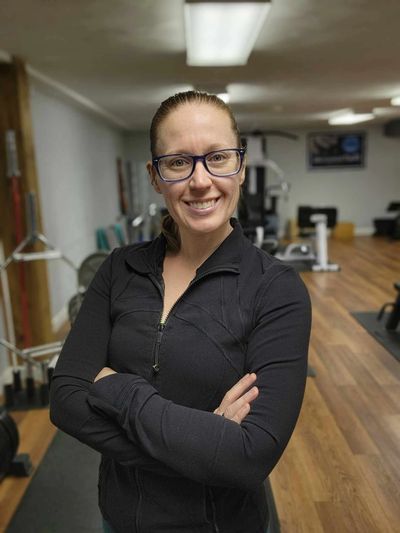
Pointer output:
x,y
219,163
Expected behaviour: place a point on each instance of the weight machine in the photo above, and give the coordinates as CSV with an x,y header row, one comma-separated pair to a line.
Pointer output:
x,y
318,220
257,209
15,396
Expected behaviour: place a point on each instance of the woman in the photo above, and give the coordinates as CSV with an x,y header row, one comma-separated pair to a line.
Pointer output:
x,y
186,365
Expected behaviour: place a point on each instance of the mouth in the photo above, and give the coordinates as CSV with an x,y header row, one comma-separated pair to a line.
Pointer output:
x,y
204,204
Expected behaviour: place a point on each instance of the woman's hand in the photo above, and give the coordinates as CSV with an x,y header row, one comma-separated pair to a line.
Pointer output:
x,y
106,371
236,402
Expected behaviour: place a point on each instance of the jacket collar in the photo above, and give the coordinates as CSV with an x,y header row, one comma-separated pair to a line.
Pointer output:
x,y
149,258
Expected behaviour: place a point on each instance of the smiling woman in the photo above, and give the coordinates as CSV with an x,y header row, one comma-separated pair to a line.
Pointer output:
x,y
201,129
187,363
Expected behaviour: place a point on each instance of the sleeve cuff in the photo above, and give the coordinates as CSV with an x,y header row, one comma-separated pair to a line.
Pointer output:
x,y
108,394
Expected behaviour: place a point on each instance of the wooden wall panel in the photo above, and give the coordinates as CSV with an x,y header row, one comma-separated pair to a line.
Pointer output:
x,y
15,114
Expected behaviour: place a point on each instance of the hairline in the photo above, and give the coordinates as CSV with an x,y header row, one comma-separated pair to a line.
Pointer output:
x,y
175,102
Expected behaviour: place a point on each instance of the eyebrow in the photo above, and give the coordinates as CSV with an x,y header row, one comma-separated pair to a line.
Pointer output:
x,y
211,148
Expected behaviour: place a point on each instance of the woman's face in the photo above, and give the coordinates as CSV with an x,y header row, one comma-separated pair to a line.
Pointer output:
x,y
196,129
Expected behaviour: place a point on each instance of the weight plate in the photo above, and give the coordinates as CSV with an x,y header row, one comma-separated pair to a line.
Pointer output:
x,y
89,267
9,426
7,450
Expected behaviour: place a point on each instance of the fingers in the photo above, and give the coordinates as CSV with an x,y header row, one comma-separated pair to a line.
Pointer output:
x,y
236,402
245,399
241,408
237,391
241,413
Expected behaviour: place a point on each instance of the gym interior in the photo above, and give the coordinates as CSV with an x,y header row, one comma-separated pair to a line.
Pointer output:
x,y
317,98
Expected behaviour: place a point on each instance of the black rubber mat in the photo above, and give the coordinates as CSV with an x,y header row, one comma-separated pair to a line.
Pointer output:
x,y
389,339
62,495
274,524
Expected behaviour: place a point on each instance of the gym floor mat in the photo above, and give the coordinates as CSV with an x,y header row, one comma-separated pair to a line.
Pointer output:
x,y
62,495
389,339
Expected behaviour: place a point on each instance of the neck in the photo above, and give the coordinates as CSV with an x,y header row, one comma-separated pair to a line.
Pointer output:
x,y
196,248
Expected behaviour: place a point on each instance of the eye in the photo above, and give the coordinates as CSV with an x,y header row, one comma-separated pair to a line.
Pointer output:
x,y
178,162
218,157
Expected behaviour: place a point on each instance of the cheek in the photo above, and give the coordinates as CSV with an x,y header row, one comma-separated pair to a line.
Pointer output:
x,y
232,190
171,194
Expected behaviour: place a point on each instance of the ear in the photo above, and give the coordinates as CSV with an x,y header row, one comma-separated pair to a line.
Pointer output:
x,y
242,173
153,176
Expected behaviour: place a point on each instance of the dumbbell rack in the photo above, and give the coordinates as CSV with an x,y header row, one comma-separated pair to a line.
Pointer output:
x,y
16,397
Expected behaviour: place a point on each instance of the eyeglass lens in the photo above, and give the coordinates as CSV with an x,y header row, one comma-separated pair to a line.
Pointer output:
x,y
221,163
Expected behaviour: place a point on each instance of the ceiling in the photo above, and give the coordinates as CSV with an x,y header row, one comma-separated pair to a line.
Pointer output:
x,y
312,58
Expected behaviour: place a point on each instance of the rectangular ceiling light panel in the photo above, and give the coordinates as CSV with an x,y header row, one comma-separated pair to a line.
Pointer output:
x,y
222,33
350,118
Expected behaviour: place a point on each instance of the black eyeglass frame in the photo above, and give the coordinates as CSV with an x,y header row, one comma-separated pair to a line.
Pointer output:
x,y
202,158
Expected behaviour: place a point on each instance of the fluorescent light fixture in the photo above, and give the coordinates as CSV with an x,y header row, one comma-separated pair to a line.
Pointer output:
x,y
222,33
395,100
349,117
384,111
225,97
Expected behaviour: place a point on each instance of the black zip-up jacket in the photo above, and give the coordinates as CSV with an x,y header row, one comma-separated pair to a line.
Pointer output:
x,y
169,464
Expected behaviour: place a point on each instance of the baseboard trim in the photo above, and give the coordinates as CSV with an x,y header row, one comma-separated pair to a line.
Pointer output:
x,y
364,231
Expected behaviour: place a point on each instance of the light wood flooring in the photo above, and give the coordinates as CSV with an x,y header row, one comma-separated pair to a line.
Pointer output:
x,y
341,470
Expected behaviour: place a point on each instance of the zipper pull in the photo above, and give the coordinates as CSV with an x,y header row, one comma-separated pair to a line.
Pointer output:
x,y
156,365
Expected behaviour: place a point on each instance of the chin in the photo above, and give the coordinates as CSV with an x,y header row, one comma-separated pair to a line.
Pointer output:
x,y
206,224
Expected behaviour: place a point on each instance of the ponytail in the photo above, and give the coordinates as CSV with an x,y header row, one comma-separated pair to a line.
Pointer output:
x,y
170,230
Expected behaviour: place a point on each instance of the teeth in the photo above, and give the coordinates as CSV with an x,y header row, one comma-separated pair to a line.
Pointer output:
x,y
202,205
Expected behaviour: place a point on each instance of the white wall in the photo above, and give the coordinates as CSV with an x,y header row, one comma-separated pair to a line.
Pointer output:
x,y
137,147
359,194
76,162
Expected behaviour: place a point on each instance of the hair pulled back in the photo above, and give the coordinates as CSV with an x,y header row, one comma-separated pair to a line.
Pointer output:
x,y
168,225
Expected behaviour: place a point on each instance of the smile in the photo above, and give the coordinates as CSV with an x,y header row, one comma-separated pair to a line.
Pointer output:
x,y
203,205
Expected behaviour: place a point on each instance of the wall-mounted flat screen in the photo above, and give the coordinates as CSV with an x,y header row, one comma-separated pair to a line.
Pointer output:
x,y
336,150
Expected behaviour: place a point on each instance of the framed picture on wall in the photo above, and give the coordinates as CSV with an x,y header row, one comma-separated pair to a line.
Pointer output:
x,y
336,150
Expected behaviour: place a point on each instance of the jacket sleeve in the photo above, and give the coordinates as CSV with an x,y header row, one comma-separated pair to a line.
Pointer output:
x,y
73,376
209,448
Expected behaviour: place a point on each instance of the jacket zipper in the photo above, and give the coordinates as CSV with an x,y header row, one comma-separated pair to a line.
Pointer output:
x,y
156,364
214,517
161,325
139,500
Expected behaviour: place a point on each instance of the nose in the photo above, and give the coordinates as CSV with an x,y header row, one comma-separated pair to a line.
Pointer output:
x,y
200,177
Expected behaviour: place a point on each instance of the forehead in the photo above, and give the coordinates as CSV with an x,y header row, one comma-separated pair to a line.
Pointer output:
x,y
195,125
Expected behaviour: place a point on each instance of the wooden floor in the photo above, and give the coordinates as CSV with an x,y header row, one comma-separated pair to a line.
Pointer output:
x,y
341,470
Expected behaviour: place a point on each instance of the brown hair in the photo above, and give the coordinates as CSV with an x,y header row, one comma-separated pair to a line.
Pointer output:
x,y
168,225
